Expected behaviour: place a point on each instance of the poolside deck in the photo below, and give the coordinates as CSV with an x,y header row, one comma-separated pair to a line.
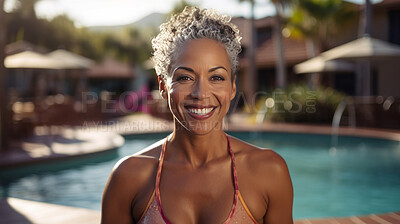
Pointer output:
x,y
58,143
13,210
388,218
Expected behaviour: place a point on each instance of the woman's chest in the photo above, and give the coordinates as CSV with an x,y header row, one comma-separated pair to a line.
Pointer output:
x,y
201,196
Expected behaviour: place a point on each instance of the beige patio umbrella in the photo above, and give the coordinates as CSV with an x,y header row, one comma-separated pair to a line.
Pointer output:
x,y
72,63
364,48
30,59
321,64
71,60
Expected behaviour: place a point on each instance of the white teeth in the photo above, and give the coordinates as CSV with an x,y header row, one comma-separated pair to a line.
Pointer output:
x,y
200,112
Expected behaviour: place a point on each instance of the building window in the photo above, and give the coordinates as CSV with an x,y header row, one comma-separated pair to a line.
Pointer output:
x,y
263,34
394,24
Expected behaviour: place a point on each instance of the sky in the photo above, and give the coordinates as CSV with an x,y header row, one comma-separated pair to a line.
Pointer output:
x,y
120,12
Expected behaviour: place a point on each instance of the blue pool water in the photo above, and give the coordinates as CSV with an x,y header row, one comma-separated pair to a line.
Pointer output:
x,y
359,176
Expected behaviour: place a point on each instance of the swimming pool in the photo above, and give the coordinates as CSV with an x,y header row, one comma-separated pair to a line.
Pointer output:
x,y
360,176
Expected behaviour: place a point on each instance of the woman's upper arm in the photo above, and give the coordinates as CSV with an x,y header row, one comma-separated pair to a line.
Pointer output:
x,y
280,195
117,196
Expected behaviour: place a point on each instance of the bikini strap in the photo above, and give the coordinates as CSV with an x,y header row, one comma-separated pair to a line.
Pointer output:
x,y
235,181
158,178
160,164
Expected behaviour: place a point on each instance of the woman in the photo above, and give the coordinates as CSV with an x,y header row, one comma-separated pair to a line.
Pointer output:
x,y
198,174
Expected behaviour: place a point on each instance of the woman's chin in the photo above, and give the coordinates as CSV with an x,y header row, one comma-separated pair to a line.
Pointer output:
x,y
201,128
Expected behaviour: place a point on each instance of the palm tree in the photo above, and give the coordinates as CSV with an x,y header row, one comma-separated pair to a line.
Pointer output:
x,y
316,21
250,54
280,52
366,19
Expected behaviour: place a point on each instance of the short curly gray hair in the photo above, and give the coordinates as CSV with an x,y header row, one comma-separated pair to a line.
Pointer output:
x,y
193,23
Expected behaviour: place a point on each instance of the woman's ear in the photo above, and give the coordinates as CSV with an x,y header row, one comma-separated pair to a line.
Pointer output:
x,y
233,94
161,86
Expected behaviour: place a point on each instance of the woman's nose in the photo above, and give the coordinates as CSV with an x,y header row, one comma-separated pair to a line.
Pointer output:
x,y
200,90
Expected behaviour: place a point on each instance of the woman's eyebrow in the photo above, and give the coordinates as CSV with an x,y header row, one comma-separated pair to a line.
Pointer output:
x,y
216,68
191,70
184,68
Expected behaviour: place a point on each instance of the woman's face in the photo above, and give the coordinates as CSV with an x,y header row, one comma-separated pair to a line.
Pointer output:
x,y
199,87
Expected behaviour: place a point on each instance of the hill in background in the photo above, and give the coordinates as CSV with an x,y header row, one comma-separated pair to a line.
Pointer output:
x,y
151,22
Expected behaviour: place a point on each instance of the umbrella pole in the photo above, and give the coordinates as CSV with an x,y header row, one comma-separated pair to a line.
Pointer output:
x,y
367,78
363,78
359,80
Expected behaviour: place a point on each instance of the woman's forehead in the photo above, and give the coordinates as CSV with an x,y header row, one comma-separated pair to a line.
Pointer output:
x,y
201,53
203,44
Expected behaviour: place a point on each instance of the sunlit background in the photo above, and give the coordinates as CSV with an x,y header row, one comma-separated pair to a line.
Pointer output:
x,y
318,83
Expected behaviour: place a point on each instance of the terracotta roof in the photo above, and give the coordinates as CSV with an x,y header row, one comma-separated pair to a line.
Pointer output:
x,y
264,22
110,68
387,4
295,51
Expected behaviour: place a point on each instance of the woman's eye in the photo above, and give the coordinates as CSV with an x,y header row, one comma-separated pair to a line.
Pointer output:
x,y
217,78
184,78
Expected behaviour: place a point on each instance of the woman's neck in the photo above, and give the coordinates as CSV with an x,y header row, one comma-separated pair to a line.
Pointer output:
x,y
196,150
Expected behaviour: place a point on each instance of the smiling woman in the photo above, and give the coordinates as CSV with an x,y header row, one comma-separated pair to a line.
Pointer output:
x,y
199,174
200,88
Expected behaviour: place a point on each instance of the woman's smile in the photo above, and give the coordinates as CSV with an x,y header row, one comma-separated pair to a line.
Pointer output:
x,y
200,112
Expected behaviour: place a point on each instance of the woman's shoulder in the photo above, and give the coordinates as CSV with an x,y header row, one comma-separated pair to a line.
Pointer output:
x,y
263,176
141,161
139,167
130,182
256,159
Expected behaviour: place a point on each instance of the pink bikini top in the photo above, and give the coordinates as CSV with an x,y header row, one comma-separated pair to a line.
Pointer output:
x,y
155,214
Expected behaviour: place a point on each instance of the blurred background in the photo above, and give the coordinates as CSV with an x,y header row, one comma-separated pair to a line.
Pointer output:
x,y
78,56
70,64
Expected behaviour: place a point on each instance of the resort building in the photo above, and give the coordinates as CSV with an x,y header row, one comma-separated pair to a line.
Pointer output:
x,y
384,79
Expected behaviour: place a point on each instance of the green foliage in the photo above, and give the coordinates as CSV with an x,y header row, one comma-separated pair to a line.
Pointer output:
x,y
131,45
300,104
63,33
320,19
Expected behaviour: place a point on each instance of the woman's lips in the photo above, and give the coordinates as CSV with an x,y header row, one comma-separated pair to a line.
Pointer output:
x,y
200,112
